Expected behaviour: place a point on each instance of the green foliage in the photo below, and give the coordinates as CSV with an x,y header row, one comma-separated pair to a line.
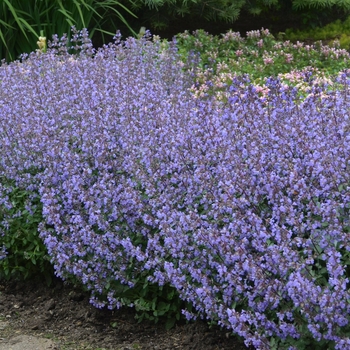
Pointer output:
x,y
343,4
155,303
160,13
26,254
222,10
21,22
152,302
337,30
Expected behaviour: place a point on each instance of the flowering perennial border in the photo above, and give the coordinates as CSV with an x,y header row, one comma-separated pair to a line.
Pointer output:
x,y
242,206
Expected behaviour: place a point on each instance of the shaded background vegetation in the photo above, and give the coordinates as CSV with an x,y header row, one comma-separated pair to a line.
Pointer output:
x,y
21,22
167,20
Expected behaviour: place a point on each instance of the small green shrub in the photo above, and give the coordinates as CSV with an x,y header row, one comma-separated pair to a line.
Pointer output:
x,y
151,302
25,254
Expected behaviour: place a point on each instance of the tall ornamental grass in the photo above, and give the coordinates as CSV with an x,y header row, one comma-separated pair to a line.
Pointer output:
x,y
21,22
242,207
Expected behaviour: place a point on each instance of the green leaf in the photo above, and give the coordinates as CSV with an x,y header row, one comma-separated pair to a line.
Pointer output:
x,y
170,322
80,13
14,14
170,294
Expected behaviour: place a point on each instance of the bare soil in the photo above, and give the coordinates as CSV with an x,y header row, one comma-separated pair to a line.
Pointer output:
x,y
63,313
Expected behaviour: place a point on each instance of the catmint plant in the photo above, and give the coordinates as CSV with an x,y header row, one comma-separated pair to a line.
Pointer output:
x,y
240,205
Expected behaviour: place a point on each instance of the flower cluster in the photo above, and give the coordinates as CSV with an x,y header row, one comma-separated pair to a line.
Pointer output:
x,y
260,56
242,206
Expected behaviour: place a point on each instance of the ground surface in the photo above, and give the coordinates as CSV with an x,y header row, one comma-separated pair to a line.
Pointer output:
x,y
64,316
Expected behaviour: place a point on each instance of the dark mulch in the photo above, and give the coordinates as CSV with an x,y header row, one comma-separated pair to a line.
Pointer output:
x,y
63,313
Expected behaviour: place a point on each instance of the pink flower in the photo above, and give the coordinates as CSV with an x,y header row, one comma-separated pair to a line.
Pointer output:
x,y
268,60
288,57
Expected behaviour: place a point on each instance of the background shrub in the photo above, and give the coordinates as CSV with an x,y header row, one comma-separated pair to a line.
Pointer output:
x,y
338,30
168,18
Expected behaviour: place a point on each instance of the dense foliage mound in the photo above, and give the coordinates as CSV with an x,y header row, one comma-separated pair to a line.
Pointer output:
x,y
337,30
240,205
